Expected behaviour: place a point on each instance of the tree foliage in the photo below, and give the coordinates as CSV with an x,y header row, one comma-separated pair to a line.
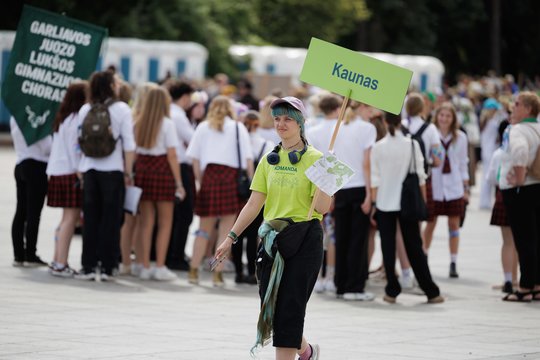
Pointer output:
x,y
457,31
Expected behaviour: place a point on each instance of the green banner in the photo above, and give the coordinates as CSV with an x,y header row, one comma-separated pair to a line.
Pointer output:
x,y
368,80
50,51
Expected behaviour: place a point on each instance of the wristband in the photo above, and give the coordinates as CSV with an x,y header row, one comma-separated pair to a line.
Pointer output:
x,y
233,236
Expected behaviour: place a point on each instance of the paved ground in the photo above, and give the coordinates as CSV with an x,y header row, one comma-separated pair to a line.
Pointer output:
x,y
42,317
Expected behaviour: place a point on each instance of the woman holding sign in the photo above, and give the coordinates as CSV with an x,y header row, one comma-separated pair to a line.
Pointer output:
x,y
291,250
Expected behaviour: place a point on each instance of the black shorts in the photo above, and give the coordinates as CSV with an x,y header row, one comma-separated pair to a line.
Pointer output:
x,y
299,277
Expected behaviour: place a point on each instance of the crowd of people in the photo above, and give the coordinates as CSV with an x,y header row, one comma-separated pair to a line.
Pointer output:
x,y
186,149
185,145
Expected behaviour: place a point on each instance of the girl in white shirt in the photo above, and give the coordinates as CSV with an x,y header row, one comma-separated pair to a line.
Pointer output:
x,y
64,189
449,181
391,159
158,174
214,153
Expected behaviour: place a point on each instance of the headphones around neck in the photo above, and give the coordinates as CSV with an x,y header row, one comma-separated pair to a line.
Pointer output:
x,y
294,156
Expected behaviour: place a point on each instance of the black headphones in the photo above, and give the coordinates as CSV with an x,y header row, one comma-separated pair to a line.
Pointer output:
x,y
294,156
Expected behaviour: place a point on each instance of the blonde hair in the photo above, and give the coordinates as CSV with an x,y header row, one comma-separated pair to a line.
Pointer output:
x,y
350,112
531,100
415,104
148,122
266,118
219,108
140,94
454,126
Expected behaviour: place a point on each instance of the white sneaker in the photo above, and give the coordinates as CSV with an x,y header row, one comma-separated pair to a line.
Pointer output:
x,y
363,296
136,269
124,270
329,286
319,286
406,282
315,352
145,273
65,272
163,274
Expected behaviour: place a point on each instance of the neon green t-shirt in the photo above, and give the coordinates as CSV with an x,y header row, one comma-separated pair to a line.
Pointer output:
x,y
288,191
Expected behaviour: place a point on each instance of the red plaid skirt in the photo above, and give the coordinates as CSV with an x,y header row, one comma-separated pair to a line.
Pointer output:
x,y
218,194
64,191
449,208
498,215
154,176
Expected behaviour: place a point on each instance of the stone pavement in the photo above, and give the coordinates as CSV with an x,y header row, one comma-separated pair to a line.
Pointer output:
x,y
42,317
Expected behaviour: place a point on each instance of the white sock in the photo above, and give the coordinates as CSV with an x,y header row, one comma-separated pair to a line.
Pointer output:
x,y
453,258
406,272
508,277
329,272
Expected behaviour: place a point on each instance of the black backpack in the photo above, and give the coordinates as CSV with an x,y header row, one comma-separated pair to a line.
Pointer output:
x,y
418,137
96,138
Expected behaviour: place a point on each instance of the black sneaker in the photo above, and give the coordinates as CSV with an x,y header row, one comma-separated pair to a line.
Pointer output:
x,y
507,287
453,270
34,261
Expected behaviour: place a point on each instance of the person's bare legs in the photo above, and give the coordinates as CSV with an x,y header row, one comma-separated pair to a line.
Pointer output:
x,y
64,233
428,234
400,249
126,240
206,226
226,222
164,226
509,257
145,228
453,226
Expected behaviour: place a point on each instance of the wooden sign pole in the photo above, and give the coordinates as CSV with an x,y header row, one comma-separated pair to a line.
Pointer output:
x,y
331,147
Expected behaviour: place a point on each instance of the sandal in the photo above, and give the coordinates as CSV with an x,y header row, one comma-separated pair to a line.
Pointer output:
x,y
519,297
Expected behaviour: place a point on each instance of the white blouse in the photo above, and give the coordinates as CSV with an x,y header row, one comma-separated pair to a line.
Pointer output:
x,y
65,152
450,186
166,139
210,146
37,151
390,161
122,129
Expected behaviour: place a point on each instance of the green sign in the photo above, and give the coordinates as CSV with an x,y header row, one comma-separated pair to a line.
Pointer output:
x,y
368,80
50,52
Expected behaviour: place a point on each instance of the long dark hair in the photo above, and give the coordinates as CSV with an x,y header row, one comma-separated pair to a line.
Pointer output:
x,y
393,122
73,101
101,86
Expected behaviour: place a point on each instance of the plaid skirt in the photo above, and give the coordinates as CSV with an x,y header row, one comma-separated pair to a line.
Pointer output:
x,y
498,215
154,176
449,208
430,204
64,191
218,194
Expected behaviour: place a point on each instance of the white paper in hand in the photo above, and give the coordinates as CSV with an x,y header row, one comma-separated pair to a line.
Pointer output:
x,y
329,174
131,202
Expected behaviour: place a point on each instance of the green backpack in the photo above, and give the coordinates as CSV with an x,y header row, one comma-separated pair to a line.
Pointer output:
x,y
96,138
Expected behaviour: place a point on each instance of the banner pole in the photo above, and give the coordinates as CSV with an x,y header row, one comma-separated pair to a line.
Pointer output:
x,y
331,147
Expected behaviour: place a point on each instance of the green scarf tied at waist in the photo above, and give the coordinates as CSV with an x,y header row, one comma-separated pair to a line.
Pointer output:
x,y
268,232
